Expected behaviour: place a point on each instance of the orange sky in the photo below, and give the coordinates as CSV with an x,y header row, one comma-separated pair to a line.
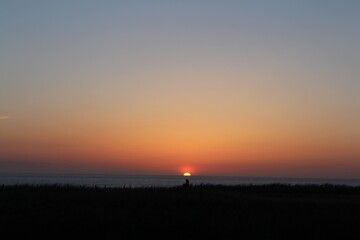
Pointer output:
x,y
250,89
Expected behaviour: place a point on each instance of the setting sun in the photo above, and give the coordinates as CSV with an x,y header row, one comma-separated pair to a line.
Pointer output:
x,y
187,174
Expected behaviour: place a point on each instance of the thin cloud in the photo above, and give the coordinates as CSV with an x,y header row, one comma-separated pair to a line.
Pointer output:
x,y
4,117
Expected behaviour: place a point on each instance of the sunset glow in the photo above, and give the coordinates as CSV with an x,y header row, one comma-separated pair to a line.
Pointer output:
x,y
187,174
245,88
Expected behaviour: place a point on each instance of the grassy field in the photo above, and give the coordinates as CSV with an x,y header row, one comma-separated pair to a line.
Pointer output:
x,y
198,212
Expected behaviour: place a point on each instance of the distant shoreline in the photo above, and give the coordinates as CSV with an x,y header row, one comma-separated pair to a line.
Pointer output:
x,y
240,188
102,180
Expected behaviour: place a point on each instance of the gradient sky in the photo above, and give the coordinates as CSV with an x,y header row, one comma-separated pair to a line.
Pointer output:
x,y
249,88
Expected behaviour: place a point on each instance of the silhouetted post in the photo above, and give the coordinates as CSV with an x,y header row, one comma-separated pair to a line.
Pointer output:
x,y
186,184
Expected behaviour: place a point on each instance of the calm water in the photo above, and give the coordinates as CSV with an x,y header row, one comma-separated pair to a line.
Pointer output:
x,y
156,181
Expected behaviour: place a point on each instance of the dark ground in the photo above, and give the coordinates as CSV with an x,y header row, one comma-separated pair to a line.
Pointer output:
x,y
197,212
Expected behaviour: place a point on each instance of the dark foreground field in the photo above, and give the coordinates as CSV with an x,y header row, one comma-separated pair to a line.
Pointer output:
x,y
198,212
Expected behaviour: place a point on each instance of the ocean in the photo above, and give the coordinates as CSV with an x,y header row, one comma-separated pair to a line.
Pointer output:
x,y
109,180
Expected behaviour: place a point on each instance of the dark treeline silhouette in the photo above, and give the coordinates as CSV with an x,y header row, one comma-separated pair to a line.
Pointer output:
x,y
275,211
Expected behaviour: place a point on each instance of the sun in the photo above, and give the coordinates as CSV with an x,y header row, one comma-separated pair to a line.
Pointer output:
x,y
187,174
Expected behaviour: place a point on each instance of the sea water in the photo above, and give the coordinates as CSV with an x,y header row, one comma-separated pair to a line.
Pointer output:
x,y
108,180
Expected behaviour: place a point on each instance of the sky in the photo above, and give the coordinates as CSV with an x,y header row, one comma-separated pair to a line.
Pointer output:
x,y
243,88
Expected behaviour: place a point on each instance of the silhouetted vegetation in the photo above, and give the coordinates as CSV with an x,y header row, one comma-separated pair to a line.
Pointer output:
x,y
274,211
